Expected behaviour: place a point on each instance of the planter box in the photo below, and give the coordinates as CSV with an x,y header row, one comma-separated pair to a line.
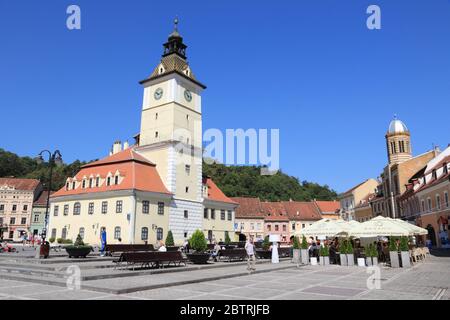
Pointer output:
x,y
394,259
172,248
313,261
343,258
350,260
369,261
361,262
321,261
198,258
296,255
326,261
304,256
78,252
406,262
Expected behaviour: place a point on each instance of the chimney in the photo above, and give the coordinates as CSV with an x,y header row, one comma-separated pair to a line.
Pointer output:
x,y
117,147
126,145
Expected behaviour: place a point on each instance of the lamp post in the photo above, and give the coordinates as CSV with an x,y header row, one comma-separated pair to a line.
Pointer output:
x,y
54,158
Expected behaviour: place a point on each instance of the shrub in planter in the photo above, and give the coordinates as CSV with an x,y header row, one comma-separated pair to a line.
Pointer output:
x,y
198,243
296,251
369,254
79,249
304,251
324,256
169,239
266,243
51,240
393,253
350,254
60,240
404,252
227,239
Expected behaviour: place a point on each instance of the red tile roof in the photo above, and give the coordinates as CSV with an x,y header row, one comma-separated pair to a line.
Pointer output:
x,y
302,210
138,174
248,208
42,200
20,184
328,206
275,211
214,193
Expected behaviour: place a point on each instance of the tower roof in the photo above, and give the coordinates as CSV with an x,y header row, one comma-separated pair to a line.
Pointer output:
x,y
397,126
174,59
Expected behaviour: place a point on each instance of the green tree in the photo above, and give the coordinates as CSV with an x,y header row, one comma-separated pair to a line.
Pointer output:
x,y
169,239
198,241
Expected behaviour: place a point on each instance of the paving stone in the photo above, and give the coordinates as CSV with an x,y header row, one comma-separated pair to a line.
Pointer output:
x,y
334,291
252,293
162,294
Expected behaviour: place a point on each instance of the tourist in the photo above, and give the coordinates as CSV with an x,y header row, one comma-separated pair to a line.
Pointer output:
x,y
103,241
162,247
186,246
216,251
251,260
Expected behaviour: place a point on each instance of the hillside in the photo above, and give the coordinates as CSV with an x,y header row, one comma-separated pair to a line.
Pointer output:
x,y
235,181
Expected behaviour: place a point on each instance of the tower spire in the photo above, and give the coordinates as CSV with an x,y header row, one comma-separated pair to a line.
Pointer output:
x,y
174,44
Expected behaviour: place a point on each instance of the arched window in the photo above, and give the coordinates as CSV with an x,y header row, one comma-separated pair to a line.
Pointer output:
x,y
116,233
144,234
159,234
76,208
108,181
116,180
81,232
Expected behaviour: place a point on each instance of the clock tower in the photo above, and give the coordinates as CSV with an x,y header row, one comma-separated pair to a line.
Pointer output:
x,y
171,134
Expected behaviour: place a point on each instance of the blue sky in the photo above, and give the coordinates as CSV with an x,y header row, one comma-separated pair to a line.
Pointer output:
x,y
310,68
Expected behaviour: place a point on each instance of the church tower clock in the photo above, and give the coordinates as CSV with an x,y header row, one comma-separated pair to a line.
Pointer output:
x,y
171,133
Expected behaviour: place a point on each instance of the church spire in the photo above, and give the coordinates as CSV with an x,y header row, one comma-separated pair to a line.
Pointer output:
x,y
174,44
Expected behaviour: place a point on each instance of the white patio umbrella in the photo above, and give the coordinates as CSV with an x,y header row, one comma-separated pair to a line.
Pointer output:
x,y
415,230
380,226
326,228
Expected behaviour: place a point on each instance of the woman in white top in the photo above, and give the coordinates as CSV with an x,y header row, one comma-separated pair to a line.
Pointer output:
x,y
162,247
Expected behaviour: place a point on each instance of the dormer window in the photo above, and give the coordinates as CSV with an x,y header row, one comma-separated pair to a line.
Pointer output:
x,y
90,183
84,184
97,182
73,185
116,180
445,168
108,181
434,174
67,186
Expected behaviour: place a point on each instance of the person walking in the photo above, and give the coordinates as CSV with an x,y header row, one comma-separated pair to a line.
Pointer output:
x,y
251,260
103,242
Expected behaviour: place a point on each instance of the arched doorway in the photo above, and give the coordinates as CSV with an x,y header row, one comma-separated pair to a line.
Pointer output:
x,y
431,235
242,237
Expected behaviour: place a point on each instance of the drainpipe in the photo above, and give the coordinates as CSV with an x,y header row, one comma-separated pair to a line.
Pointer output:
x,y
392,194
133,218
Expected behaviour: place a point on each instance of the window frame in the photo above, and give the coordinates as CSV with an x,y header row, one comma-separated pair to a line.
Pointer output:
x,y
119,206
104,207
145,207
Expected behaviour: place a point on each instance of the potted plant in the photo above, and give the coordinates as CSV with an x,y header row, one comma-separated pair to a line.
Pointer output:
x,y
343,253
350,254
79,249
170,244
198,243
404,252
371,255
51,240
304,251
227,239
393,253
324,256
264,253
296,251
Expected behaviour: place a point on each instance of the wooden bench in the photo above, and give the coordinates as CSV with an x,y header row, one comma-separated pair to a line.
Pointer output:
x,y
150,259
118,249
232,254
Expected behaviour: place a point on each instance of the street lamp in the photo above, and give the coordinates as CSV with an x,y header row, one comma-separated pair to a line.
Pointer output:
x,y
54,158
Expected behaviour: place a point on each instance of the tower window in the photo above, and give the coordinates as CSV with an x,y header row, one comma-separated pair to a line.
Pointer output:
x,y
156,134
188,169
186,214
161,70
156,116
187,189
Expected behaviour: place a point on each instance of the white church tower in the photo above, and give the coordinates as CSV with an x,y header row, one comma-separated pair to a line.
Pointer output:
x,y
171,134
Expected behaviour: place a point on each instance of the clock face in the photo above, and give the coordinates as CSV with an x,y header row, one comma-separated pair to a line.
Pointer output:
x,y
188,95
158,93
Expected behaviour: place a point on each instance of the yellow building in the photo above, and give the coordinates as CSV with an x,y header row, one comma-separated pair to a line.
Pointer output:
x,y
168,153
